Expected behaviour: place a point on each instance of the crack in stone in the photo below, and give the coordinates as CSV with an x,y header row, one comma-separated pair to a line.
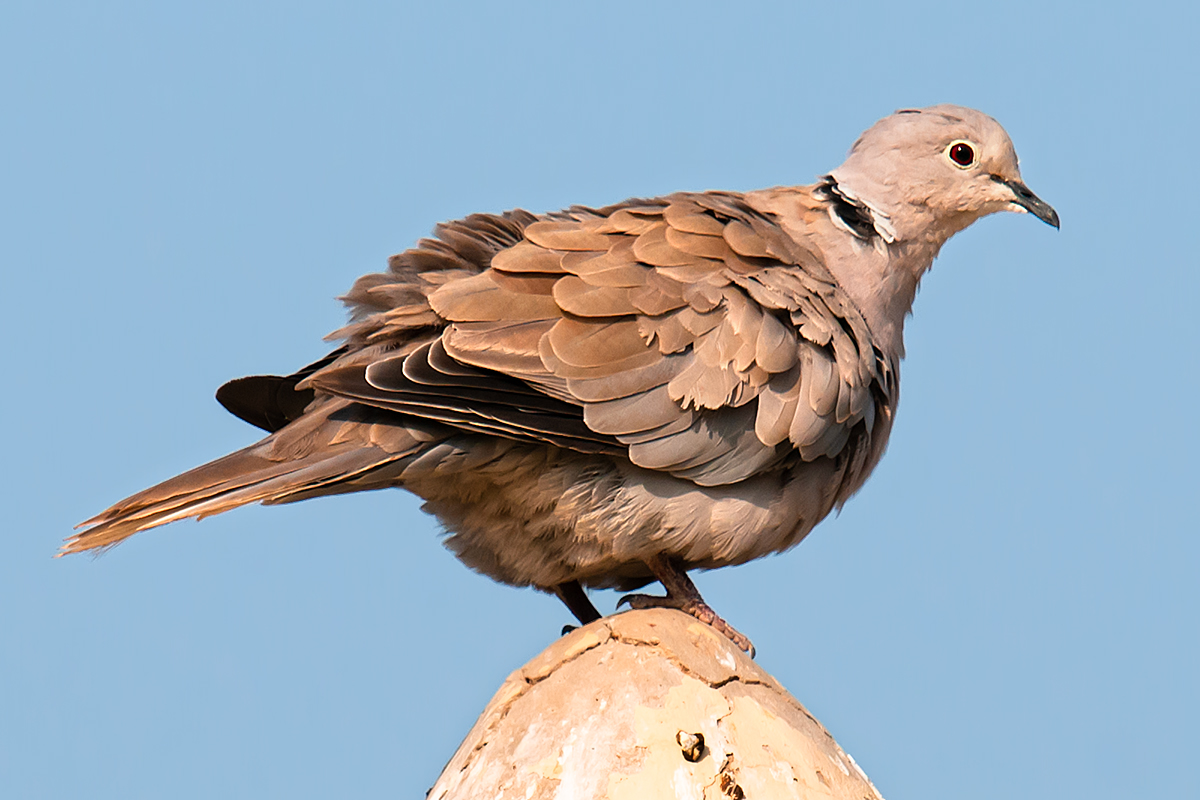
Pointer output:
x,y
502,711
564,661
675,661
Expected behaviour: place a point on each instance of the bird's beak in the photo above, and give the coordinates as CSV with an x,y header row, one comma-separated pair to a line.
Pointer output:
x,y
1029,201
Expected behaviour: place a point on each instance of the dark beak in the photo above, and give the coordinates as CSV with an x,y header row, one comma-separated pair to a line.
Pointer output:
x,y
1029,201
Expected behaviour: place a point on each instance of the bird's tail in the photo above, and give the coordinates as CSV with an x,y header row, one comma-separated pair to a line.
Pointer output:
x,y
279,469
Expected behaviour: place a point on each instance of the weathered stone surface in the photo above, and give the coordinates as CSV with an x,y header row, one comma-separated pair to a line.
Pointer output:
x,y
615,710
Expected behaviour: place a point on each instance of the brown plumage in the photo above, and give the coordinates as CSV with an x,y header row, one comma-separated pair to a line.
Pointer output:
x,y
600,397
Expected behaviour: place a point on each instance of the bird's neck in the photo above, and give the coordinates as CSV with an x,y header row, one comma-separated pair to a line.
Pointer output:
x,y
880,277
882,281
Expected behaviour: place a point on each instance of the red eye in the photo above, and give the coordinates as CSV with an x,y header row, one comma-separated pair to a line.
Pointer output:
x,y
962,154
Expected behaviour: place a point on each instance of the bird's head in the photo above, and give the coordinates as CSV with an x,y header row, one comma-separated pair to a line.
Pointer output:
x,y
935,170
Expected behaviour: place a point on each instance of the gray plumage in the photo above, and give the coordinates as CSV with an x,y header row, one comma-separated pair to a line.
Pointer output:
x,y
700,377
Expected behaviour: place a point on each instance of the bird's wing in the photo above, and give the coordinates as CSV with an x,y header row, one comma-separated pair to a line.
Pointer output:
x,y
689,332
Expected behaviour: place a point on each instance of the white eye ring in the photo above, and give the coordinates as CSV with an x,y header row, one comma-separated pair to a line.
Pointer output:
x,y
961,154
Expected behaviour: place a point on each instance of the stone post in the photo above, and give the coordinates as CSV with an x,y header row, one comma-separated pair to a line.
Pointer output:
x,y
645,705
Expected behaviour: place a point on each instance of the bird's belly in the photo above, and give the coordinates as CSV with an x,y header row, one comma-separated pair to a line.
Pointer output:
x,y
542,516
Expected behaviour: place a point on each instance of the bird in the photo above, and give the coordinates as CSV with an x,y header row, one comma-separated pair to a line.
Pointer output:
x,y
607,397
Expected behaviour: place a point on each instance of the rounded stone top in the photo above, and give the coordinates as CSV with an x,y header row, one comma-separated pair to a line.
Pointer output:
x,y
647,704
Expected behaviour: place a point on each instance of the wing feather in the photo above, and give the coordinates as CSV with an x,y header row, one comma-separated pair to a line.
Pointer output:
x,y
574,296
691,330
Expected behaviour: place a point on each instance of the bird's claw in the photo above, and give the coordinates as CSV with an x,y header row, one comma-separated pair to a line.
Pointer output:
x,y
696,608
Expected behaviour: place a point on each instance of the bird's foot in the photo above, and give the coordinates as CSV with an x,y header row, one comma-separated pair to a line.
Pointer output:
x,y
696,608
683,595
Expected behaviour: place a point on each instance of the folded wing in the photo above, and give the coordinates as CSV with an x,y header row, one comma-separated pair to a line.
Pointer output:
x,y
688,332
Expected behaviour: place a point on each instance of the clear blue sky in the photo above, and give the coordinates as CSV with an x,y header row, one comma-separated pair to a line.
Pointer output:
x,y
1008,609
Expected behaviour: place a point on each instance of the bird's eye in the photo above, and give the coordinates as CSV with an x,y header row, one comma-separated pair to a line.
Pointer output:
x,y
961,153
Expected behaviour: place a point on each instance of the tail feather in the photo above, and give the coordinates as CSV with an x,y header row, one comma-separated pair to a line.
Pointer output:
x,y
313,479
238,479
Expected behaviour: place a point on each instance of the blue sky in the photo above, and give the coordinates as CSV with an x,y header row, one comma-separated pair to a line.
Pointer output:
x,y
1008,608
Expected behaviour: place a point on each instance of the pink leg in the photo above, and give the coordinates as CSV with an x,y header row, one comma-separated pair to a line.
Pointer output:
x,y
683,595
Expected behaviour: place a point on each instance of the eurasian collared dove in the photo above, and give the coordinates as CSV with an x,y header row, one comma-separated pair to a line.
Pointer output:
x,y
603,397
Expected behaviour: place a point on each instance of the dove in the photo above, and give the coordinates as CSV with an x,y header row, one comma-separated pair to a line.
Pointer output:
x,y
606,397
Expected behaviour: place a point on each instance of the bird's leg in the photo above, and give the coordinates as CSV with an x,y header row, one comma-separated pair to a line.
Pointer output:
x,y
577,602
683,595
